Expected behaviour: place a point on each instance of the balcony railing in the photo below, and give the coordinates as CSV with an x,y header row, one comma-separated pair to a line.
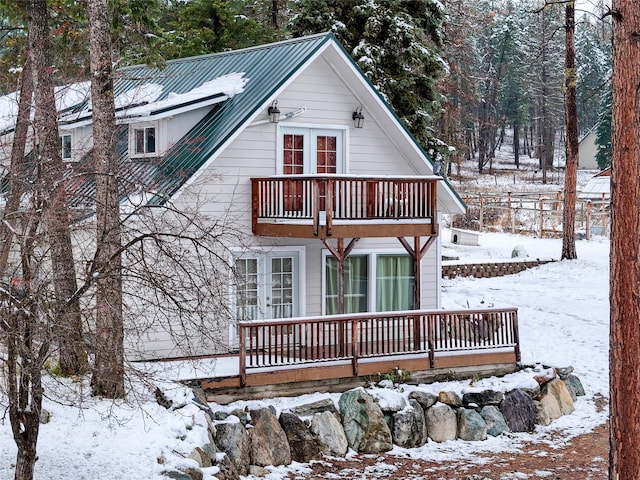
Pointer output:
x,y
324,202
305,342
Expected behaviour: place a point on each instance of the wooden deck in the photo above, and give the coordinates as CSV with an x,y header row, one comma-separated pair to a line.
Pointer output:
x,y
341,349
323,206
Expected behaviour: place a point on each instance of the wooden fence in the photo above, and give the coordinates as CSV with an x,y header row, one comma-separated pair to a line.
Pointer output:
x,y
534,213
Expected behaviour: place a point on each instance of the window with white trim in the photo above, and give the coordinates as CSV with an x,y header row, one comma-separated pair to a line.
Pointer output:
x,y
311,151
375,282
143,141
65,146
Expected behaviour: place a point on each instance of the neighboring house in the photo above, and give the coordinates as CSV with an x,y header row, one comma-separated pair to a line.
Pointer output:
x,y
587,151
316,191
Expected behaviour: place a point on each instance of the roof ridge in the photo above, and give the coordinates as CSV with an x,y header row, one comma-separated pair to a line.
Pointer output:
x,y
265,46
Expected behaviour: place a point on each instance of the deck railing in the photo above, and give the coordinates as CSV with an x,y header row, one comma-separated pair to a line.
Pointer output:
x,y
338,197
302,341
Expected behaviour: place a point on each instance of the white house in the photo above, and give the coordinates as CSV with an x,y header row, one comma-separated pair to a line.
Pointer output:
x,y
319,172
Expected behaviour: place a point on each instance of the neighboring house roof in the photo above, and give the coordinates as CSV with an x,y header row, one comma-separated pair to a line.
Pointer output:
x,y
598,187
239,85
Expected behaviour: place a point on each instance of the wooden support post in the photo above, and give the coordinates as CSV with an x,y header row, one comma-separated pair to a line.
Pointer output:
x,y
254,205
242,356
355,346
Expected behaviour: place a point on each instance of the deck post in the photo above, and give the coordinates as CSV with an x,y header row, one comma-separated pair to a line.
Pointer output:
x,y
255,200
432,357
242,356
417,273
355,346
516,335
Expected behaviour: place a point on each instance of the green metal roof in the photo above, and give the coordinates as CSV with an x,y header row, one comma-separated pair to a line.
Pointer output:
x,y
266,69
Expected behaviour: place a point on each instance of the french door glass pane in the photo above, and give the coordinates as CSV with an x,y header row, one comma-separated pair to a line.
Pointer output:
x,y
355,285
282,287
394,283
247,289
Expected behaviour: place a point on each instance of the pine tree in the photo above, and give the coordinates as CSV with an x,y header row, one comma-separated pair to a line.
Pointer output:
x,y
603,130
397,44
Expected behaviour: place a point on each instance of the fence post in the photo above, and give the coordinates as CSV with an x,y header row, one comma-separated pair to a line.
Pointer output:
x,y
481,213
588,219
541,216
511,215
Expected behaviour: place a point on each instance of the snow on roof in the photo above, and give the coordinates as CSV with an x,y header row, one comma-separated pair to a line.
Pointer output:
x,y
136,102
596,188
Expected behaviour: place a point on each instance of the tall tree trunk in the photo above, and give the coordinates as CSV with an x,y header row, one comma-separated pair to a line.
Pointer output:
x,y
624,356
17,183
516,144
108,373
73,357
571,120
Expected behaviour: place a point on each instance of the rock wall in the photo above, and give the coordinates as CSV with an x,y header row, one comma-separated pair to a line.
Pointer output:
x,y
371,421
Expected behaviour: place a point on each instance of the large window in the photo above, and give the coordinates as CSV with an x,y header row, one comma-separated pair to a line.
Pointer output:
x,y
373,282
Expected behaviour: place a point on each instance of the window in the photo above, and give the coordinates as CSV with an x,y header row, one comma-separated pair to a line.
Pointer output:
x,y
373,282
143,141
65,146
311,151
355,285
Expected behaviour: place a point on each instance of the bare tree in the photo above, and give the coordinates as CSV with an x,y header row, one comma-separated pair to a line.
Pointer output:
x,y
625,244
571,121
108,368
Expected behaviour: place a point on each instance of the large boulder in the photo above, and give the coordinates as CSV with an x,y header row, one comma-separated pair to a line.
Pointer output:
x,y
471,425
485,397
559,390
269,445
232,438
409,426
450,398
304,446
442,424
425,399
364,423
574,385
518,411
495,421
549,408
542,415
310,409
226,468
330,435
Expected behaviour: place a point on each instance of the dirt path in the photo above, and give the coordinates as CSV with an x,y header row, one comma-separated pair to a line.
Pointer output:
x,y
585,457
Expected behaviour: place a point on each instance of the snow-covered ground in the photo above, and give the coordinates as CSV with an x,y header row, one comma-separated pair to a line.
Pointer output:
x,y
564,318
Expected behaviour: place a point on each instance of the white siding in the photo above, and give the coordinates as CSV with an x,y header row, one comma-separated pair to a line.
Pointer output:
x,y
226,187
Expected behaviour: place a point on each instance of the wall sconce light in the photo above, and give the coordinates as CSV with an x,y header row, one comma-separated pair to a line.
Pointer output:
x,y
274,112
358,118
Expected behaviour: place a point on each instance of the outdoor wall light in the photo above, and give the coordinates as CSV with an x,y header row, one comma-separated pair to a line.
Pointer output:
x,y
358,118
274,112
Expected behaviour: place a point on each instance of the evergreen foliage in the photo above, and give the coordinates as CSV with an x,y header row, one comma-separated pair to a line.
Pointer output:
x,y
603,130
397,44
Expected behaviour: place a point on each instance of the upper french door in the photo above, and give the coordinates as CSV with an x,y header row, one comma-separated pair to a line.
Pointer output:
x,y
309,151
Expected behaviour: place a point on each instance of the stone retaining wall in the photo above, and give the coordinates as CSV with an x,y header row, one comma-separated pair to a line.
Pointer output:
x,y
489,269
244,441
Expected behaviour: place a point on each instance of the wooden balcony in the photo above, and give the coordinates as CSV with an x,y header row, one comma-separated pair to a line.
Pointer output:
x,y
340,346
324,206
